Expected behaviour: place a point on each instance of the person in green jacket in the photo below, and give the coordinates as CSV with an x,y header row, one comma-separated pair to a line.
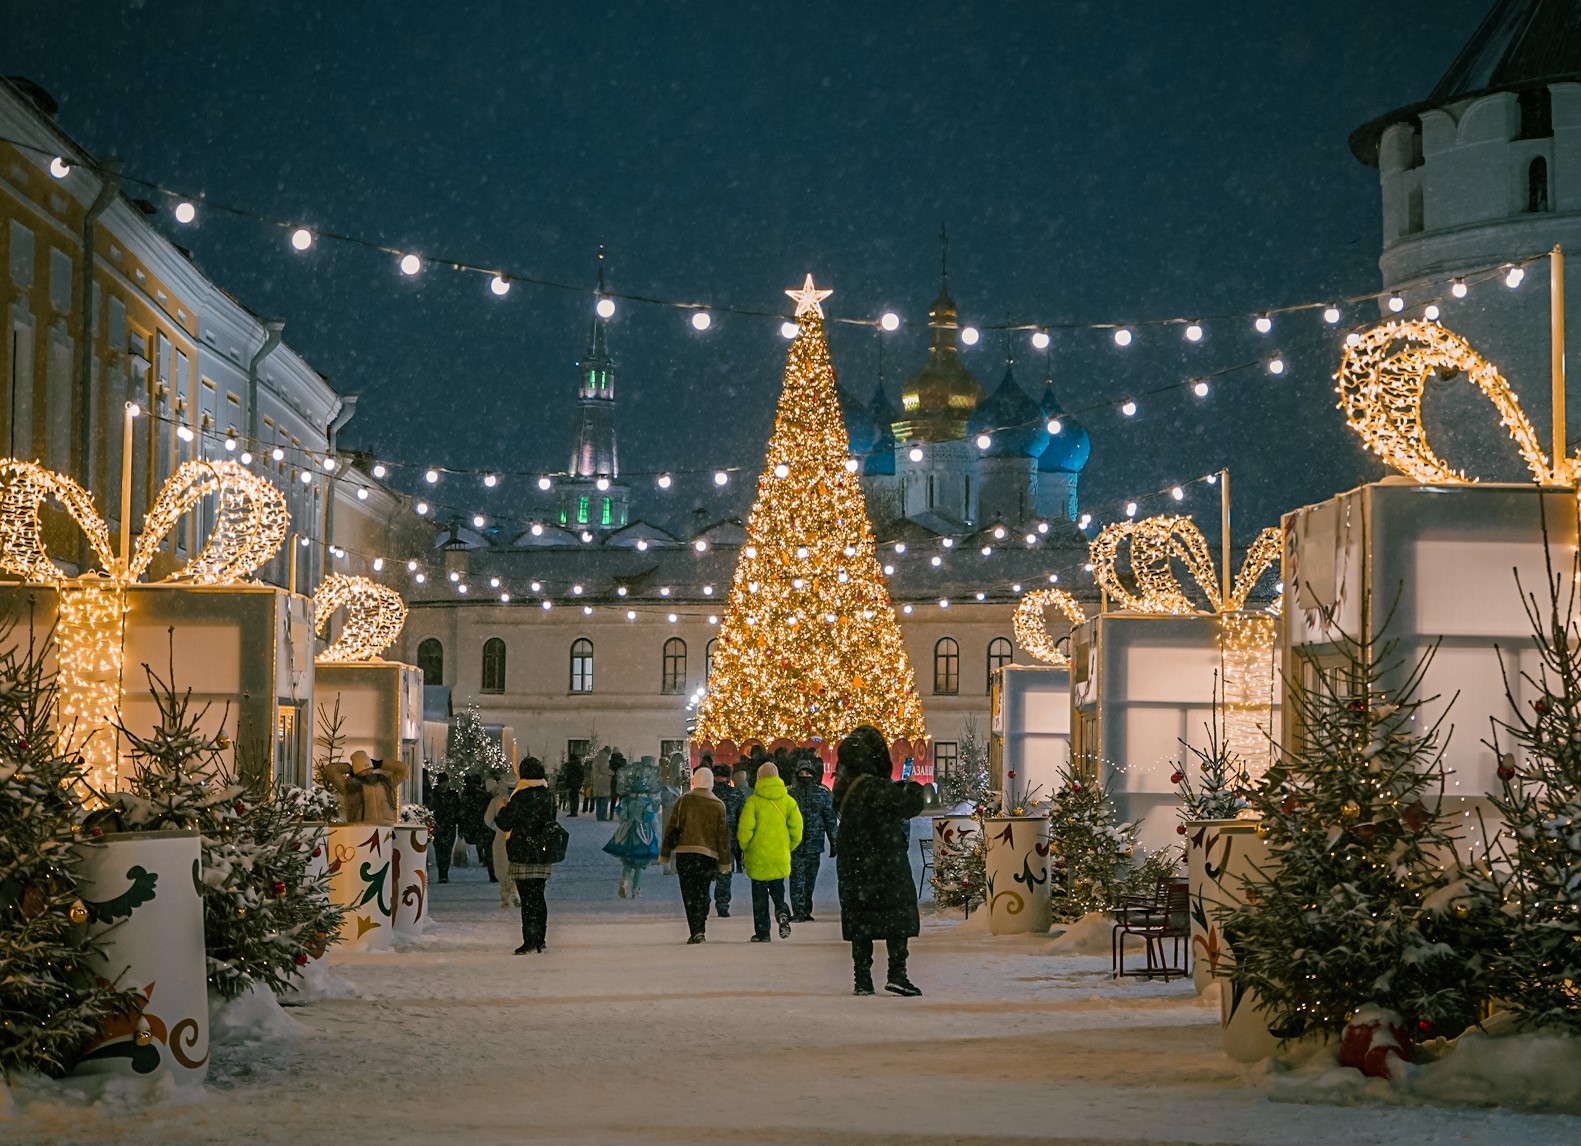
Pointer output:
x,y
768,831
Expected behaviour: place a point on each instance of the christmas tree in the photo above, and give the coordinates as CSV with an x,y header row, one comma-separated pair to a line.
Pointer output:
x,y
471,751
1539,974
1364,903
968,781
1219,792
1092,853
960,871
51,1002
809,646
263,915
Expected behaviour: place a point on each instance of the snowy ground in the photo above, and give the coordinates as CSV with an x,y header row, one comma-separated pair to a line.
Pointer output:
x,y
623,1034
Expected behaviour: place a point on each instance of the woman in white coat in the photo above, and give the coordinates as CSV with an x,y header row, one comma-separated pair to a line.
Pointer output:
x,y
501,792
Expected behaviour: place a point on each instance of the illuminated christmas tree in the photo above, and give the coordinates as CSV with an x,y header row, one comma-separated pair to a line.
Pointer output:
x,y
809,645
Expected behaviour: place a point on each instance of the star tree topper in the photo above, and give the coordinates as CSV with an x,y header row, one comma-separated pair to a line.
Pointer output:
x,y
808,298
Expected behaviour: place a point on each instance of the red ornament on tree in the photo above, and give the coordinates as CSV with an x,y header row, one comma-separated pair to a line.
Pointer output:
x,y
1506,772
1176,777
1542,707
277,887
239,807
301,958
317,852
1180,829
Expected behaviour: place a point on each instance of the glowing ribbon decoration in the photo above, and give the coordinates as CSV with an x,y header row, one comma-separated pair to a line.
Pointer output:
x,y
251,519
1032,634
1381,382
1154,543
375,616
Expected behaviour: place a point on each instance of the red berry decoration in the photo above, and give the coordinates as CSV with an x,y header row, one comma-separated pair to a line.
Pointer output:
x,y
1506,772
1180,829
239,807
277,887
1542,707
317,852
1176,777
1358,706
1075,785
96,833
301,958
1425,1026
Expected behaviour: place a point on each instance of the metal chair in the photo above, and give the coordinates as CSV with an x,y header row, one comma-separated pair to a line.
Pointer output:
x,y
1165,915
925,846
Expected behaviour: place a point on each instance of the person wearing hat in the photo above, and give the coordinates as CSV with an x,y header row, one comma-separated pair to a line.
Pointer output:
x,y
527,816
768,831
818,823
635,842
697,835
733,798
366,788
878,898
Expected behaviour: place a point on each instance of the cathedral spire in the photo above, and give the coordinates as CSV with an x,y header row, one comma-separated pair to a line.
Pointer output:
x,y
593,446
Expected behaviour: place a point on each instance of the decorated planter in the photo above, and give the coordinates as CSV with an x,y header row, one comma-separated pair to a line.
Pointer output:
x,y
145,909
953,835
409,879
359,880
1016,852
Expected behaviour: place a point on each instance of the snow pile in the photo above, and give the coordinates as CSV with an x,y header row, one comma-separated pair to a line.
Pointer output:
x,y
254,1016
1092,934
1495,1066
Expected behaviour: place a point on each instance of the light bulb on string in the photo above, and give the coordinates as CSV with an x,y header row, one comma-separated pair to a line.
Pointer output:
x,y
1396,303
601,483
247,457
605,307
1200,388
984,441
915,453
1212,479
185,212
378,470
701,320
1086,520
1043,527
301,239
889,320
490,481
782,470
789,330
505,598
1053,578
1513,278
1431,312
1122,337
185,433
59,168
431,477
850,465
478,521
1055,426
410,264
544,483
936,561
362,493
421,508
1177,493
969,335
1276,366
1193,332
1458,288
1263,324
988,551
230,444
642,545
419,577
1128,408
329,465
1331,314
1130,509
307,477
721,477
536,529
499,285
700,545
411,566
900,547
947,542
378,565
664,481
277,454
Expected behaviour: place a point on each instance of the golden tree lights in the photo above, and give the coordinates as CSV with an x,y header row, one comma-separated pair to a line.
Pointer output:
x,y
809,646
375,616
1382,378
250,521
1032,634
1246,658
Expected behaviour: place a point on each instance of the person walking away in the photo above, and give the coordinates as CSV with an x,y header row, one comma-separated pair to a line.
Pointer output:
x,y
474,802
635,841
818,823
769,830
602,779
878,899
502,792
527,818
571,784
733,798
697,836
445,802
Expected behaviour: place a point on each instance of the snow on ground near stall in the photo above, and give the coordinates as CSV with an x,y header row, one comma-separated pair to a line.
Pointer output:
x,y
624,1034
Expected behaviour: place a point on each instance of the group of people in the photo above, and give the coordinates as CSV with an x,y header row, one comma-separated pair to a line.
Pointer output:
x,y
591,785
748,820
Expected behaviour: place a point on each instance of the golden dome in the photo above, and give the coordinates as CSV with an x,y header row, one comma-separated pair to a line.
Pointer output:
x,y
937,400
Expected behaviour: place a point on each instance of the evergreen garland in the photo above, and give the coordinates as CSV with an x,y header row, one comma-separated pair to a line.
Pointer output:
x,y
51,1000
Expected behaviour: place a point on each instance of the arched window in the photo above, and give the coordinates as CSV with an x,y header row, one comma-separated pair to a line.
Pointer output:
x,y
1000,653
431,659
946,667
674,665
708,659
1537,185
493,665
581,665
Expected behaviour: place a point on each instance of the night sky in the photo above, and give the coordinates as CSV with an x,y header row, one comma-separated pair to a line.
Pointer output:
x,y
1094,162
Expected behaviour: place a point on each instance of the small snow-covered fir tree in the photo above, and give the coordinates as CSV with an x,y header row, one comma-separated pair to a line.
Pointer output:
x,y
968,782
1539,974
51,1001
960,872
263,916
1366,903
471,751
1222,778
1092,852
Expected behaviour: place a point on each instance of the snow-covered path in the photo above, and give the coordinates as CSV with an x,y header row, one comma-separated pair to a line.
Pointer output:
x,y
624,1034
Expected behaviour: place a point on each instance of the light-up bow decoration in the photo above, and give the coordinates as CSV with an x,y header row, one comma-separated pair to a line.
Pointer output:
x,y
1032,633
251,519
1381,381
375,616
1246,639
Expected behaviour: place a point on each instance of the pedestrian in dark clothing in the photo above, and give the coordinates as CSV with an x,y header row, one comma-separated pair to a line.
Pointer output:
x,y
878,899
445,802
527,816
571,784
733,798
695,833
474,803
617,761
818,824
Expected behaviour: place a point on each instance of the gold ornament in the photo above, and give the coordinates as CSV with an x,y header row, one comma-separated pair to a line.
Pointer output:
x,y
1350,810
1381,382
78,913
142,1034
250,521
776,674
1032,634
241,912
1262,830
1154,544
375,616
1461,909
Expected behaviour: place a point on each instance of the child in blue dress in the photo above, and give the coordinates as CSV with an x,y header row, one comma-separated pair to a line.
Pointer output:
x,y
636,840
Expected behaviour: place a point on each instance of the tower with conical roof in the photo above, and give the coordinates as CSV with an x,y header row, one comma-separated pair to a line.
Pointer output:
x,y
1487,170
591,498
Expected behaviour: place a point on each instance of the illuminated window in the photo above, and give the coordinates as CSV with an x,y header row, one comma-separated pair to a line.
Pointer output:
x,y
1000,653
581,510
946,667
708,658
946,759
581,665
608,516
431,659
674,665
493,665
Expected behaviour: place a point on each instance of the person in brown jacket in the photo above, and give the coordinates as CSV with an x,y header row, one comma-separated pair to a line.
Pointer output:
x,y
367,788
696,834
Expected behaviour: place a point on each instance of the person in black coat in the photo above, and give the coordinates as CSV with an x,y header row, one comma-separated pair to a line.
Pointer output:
x,y
878,899
571,784
527,816
818,823
445,802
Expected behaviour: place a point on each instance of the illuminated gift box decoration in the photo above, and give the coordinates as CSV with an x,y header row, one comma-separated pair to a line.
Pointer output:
x,y
1144,678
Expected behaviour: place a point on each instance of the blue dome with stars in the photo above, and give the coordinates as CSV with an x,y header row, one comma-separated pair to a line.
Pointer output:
x,y
1067,451
1011,419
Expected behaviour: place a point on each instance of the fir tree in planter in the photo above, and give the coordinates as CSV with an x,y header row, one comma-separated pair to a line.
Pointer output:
x,y
1222,778
1366,904
51,1001
1092,851
960,874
